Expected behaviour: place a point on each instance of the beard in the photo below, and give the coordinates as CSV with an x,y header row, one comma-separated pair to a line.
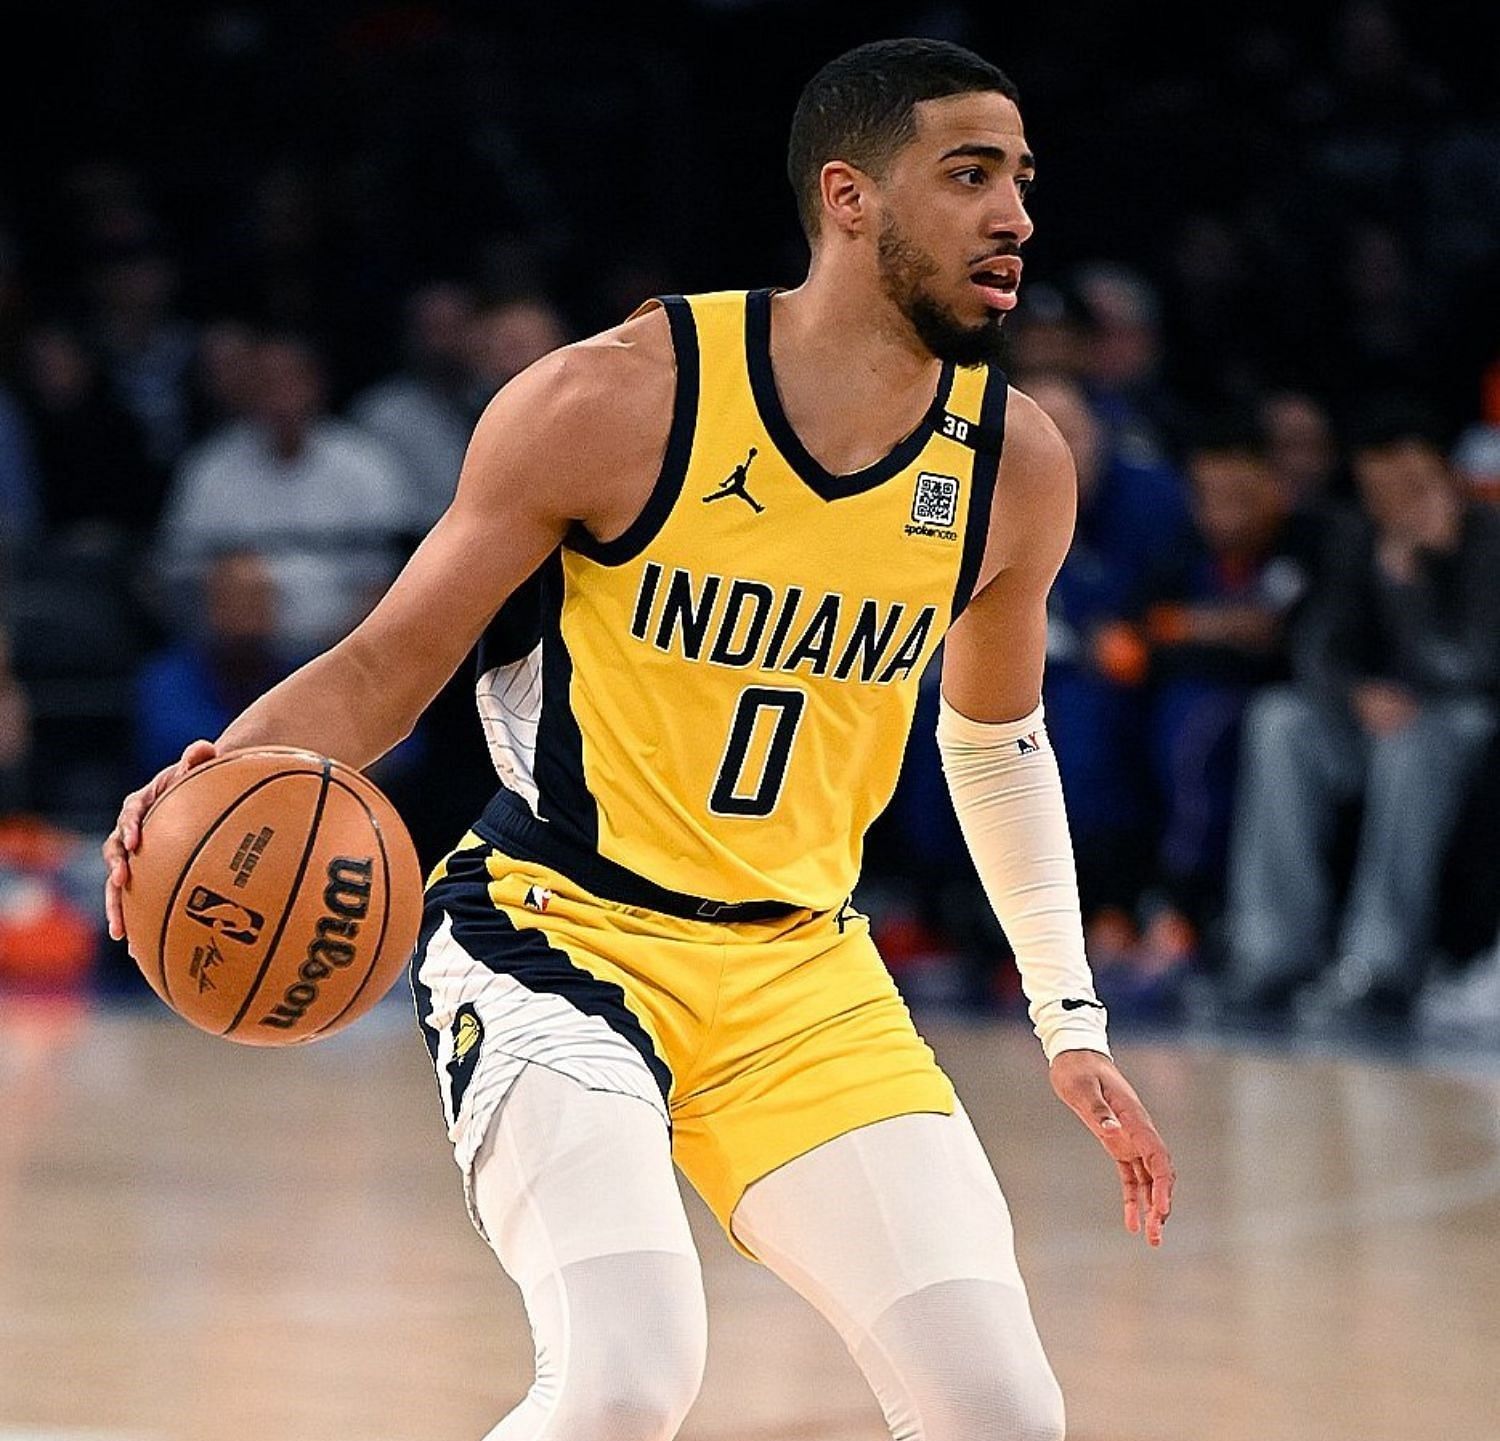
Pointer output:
x,y
905,269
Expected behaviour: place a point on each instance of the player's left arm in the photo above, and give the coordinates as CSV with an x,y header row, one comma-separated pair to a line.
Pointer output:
x,y
1008,796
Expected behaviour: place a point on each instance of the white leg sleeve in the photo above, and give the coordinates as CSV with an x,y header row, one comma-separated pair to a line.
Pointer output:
x,y
898,1233
578,1196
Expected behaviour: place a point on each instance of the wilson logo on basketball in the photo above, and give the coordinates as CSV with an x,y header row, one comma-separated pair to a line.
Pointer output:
x,y
229,918
346,898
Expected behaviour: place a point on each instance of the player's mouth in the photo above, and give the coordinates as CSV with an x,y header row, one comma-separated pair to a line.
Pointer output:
x,y
998,280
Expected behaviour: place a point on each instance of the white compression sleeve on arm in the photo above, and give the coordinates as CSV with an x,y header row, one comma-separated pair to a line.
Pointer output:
x,y
1008,796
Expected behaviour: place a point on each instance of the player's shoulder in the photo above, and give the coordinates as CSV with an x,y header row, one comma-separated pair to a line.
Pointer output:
x,y
591,414
1036,498
1036,459
605,376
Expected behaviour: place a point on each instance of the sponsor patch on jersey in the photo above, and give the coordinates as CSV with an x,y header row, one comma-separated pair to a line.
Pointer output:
x,y
934,506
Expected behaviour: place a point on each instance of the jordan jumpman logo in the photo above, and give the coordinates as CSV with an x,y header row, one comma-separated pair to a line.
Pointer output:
x,y
735,485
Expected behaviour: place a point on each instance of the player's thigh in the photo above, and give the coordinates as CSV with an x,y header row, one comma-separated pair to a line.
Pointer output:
x,y
880,1212
898,1233
568,1174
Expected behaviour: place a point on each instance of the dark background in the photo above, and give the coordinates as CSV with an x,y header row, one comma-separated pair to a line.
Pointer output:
x,y
1298,149
1310,192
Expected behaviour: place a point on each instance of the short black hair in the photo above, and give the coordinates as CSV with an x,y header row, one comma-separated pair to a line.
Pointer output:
x,y
860,107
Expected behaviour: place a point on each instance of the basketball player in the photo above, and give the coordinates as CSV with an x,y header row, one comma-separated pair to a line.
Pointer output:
x,y
645,949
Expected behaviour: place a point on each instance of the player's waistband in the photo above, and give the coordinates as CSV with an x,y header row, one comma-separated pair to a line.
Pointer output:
x,y
507,822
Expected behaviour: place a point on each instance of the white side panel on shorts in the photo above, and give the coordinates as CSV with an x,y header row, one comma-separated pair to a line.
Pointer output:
x,y
521,1027
510,706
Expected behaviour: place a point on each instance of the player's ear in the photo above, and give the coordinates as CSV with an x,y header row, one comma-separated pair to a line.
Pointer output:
x,y
846,195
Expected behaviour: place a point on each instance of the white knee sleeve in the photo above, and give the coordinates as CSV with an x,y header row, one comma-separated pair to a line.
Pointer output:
x,y
898,1233
577,1194
619,1351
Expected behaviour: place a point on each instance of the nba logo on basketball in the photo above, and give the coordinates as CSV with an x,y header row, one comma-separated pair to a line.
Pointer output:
x,y
229,918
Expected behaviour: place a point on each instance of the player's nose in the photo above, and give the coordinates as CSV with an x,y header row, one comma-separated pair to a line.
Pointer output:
x,y
1010,220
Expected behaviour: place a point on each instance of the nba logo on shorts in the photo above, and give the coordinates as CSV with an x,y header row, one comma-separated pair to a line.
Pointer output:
x,y
936,500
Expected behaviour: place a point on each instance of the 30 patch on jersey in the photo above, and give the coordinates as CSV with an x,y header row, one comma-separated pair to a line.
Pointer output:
x,y
936,500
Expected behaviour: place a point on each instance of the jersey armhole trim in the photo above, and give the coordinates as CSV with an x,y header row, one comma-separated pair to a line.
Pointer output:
x,y
674,467
983,476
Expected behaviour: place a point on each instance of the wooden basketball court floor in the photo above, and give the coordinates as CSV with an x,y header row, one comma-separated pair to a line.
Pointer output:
x,y
199,1240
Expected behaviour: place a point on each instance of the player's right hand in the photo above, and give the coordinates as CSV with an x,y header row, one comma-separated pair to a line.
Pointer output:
x,y
126,835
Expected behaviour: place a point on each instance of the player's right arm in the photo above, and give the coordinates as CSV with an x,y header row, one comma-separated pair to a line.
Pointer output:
x,y
578,437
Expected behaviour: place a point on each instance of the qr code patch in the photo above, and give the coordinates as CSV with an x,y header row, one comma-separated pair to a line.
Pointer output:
x,y
936,500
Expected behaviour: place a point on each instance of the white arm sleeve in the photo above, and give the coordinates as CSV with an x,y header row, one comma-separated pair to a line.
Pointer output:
x,y
1008,797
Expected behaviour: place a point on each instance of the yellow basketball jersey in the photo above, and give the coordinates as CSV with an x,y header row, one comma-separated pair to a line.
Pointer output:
x,y
717,701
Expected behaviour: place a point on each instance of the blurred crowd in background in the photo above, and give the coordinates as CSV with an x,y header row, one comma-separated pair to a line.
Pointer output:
x,y
261,276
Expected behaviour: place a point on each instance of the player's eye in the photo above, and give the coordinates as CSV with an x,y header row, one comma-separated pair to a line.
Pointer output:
x,y
1025,183
970,175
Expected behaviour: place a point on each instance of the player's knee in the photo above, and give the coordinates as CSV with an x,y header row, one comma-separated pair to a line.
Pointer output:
x,y
645,1397
980,1406
965,1363
640,1386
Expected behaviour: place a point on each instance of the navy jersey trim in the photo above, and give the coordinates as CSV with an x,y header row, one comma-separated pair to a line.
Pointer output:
x,y
987,447
508,825
674,467
563,794
768,402
421,994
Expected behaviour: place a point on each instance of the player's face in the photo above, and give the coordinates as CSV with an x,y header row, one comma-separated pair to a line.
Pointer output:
x,y
953,220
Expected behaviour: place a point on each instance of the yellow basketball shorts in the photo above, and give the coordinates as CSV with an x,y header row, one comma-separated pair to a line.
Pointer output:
x,y
756,1040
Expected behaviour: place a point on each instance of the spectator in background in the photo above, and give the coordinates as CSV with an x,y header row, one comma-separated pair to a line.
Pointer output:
x,y
12,301
49,928
1214,623
508,335
223,374
426,412
321,500
1122,361
1046,334
15,732
212,671
1299,447
1131,519
93,454
146,346
1476,454
19,482
1398,670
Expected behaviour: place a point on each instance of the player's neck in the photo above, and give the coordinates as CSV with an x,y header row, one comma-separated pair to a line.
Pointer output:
x,y
835,342
848,326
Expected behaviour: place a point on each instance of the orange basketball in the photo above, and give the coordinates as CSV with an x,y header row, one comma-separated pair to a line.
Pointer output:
x,y
275,896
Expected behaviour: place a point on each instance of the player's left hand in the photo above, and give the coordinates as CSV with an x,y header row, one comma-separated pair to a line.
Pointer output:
x,y
1089,1083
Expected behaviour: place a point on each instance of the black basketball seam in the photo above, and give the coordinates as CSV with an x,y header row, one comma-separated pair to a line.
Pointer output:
x,y
385,914
296,886
187,865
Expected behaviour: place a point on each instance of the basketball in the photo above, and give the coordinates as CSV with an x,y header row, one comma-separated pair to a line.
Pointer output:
x,y
275,896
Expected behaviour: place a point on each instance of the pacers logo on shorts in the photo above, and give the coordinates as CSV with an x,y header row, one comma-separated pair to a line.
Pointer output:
x,y
229,918
468,1036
